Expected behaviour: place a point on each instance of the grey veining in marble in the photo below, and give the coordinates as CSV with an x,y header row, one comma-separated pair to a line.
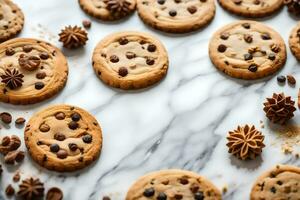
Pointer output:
x,y
181,122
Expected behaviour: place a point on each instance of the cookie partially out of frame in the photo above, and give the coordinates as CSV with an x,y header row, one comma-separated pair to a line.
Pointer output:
x,y
176,16
247,50
30,71
63,138
108,10
11,20
173,184
252,8
130,60
282,182
294,41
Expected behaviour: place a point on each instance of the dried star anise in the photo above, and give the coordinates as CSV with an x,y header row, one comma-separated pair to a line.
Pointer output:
x,y
118,7
12,78
293,6
73,37
31,189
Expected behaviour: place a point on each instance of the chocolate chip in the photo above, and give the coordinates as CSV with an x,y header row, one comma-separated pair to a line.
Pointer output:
x,y
44,55
184,181
73,125
150,61
237,1
265,36
62,154
9,51
86,23
252,68
256,2
73,146
248,56
291,79
281,79
130,55
161,196
54,148
44,128
199,196
151,48
87,138
192,9
149,192
114,59
222,48
59,136
178,196
203,1
279,183
6,117
39,85
123,71
161,2
224,36
20,121
177,1
76,117
246,25
272,56
60,115
275,48
248,38
273,190
194,188
123,41
40,75
172,13
27,48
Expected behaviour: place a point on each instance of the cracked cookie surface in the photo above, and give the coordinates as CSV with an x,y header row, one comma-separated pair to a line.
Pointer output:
x,y
294,41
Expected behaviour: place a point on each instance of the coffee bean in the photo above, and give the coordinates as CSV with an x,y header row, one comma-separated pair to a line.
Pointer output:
x,y
39,85
272,56
59,136
60,115
73,125
73,146
54,148
252,68
151,48
6,117
248,38
87,138
248,56
20,121
224,36
265,36
10,52
161,196
44,55
149,192
246,25
62,154
5,141
76,117
192,9
27,48
40,75
222,48
123,71
281,79
114,59
199,196
130,55
44,128
123,41
172,13
161,2
291,79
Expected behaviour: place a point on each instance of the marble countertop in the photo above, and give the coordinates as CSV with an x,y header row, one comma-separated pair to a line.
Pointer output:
x,y
180,123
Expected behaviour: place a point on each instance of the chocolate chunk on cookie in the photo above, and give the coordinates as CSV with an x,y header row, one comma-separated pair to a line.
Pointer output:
x,y
53,144
252,8
173,184
294,41
30,71
176,16
130,60
11,20
282,182
108,9
250,50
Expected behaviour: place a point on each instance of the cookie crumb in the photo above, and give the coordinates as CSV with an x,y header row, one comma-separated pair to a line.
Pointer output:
x,y
225,189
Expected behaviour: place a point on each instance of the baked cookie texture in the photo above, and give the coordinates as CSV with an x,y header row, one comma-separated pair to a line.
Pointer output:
x,y
176,16
108,10
63,138
247,50
11,20
130,60
294,41
173,184
252,8
42,70
282,182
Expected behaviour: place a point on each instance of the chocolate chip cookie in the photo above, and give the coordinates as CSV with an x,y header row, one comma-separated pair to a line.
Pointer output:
x,y
30,71
63,138
282,182
294,41
252,8
130,60
173,184
247,50
11,20
108,9
176,16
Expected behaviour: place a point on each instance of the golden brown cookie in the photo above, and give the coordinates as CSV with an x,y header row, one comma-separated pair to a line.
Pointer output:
x,y
30,71
294,41
176,16
11,20
280,183
130,60
173,184
63,138
252,8
247,50
108,9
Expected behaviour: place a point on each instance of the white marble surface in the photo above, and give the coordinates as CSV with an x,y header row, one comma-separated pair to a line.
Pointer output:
x,y
180,123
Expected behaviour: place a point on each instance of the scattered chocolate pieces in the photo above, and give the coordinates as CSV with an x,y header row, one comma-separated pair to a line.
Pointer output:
x,y
6,117
54,194
281,79
293,6
13,157
20,121
291,79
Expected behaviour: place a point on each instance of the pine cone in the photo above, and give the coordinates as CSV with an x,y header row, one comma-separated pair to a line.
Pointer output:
x,y
293,6
73,37
279,109
245,142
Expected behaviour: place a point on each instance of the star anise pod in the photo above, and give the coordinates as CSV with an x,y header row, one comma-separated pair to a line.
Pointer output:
x,y
12,78
119,8
73,37
279,109
31,189
293,6
245,142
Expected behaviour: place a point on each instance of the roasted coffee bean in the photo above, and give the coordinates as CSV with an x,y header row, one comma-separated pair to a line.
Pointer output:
x,y
40,75
27,48
60,115
291,79
20,121
281,79
6,117
44,55
44,128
